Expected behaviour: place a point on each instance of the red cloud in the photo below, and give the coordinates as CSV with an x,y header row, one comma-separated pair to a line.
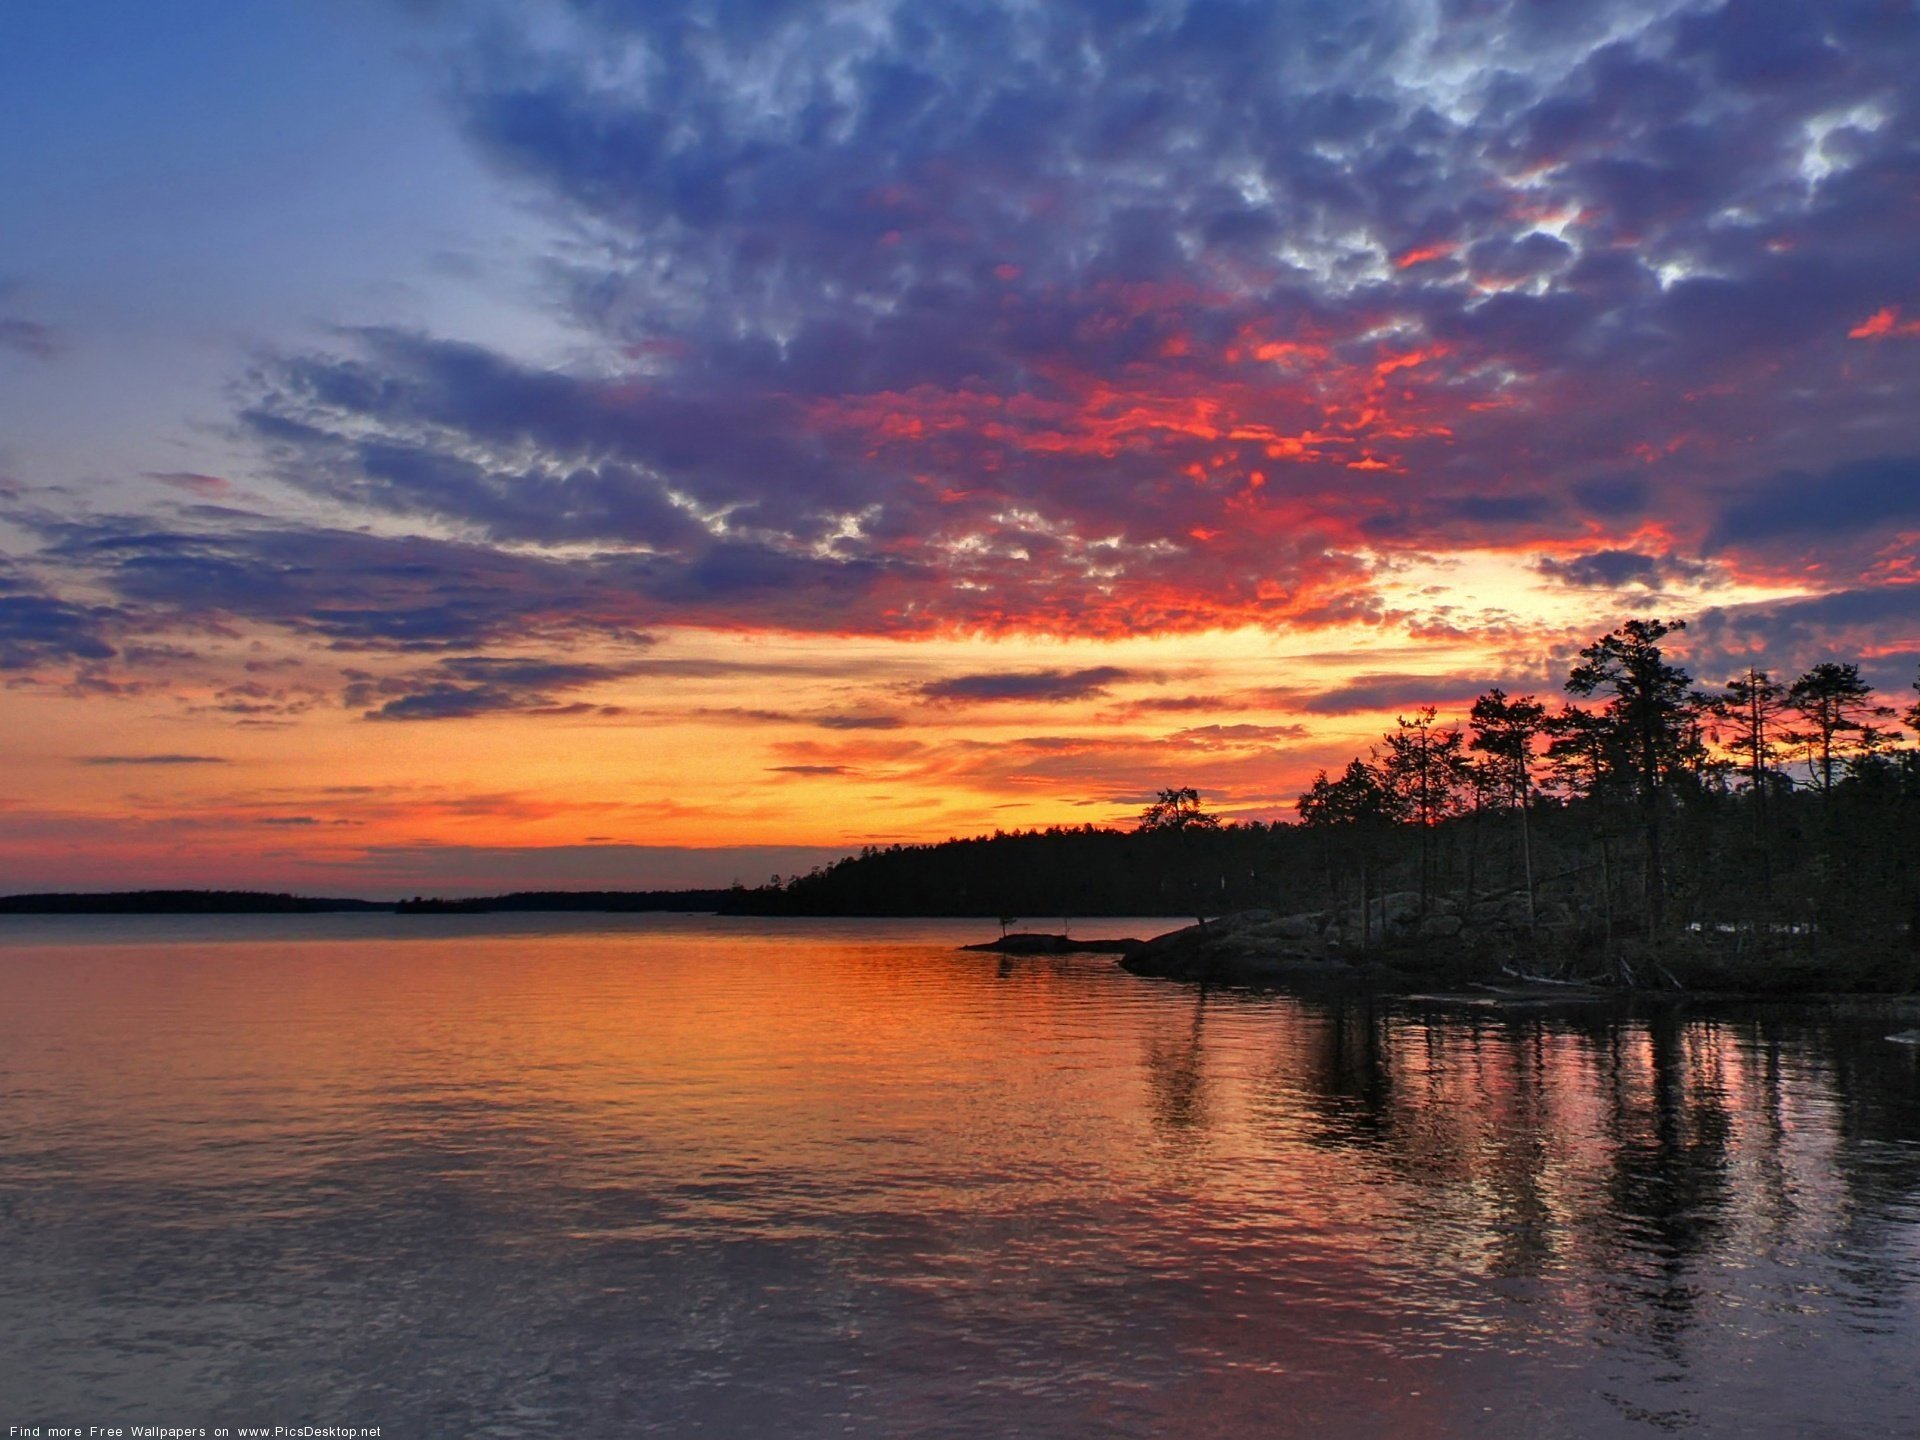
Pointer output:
x,y
1885,324
1425,253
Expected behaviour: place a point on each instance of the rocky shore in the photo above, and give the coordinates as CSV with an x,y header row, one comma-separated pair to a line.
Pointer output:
x,y
1495,946
1398,941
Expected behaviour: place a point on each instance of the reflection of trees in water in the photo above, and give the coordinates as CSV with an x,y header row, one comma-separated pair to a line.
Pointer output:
x,y
1523,1241
1350,1080
1876,1087
1177,1077
1451,1112
1637,1150
1773,1198
1668,1130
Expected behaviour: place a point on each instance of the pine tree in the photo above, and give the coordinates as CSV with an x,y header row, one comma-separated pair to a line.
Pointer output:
x,y
1359,807
1424,768
1754,706
1506,731
1649,715
1839,710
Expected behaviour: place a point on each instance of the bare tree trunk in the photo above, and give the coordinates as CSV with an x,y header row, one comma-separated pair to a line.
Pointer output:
x,y
1526,859
1366,926
1606,890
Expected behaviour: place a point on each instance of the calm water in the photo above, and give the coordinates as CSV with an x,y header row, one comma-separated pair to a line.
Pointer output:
x,y
680,1176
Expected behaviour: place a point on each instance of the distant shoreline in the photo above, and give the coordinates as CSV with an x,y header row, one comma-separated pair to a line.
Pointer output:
x,y
583,902
611,902
253,902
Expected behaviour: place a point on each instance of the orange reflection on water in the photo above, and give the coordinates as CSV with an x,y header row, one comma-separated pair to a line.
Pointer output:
x,y
977,1187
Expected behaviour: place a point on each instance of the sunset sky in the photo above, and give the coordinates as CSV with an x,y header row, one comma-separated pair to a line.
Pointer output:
x,y
447,448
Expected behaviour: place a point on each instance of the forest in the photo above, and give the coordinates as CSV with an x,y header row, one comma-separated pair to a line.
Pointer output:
x,y
1641,818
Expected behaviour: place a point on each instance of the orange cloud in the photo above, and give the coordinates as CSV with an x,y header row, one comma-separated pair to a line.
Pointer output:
x,y
1319,402
1885,324
1421,255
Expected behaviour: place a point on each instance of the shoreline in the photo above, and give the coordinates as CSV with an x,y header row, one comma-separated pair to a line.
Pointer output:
x,y
1493,964
1477,967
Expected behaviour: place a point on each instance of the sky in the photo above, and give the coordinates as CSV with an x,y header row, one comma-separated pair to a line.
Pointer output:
x,y
621,443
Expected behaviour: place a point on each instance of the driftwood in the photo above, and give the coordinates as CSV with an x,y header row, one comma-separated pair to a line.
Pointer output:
x,y
1542,979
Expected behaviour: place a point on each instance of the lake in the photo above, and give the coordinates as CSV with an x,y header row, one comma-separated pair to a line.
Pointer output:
x,y
687,1176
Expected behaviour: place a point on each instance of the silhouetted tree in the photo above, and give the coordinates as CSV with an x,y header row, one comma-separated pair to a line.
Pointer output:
x,y
1838,709
1582,754
1424,769
1358,809
1178,810
1650,714
1507,732
1754,708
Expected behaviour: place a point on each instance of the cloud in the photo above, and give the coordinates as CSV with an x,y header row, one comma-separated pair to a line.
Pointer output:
x,y
346,589
1237,735
474,685
207,486
28,337
1620,570
1612,497
1265,299
1788,636
992,318
153,760
857,720
36,629
253,703
1858,497
1050,686
1385,692
989,318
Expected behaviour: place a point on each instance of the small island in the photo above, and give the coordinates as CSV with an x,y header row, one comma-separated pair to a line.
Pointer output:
x,y
1027,942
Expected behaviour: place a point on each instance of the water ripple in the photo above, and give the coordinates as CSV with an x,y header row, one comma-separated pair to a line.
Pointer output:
x,y
695,1177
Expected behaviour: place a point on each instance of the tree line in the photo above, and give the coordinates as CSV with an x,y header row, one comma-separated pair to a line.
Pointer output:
x,y
1780,813
1637,816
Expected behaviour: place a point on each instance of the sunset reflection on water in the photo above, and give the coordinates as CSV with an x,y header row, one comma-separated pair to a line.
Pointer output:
x,y
725,1177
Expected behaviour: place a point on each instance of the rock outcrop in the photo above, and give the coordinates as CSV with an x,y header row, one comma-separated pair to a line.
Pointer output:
x,y
1029,942
1438,939
1253,947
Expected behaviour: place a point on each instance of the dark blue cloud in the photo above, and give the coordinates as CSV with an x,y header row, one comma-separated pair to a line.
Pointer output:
x,y
1039,685
472,685
360,591
851,228
1389,692
1496,510
1795,633
1787,637
28,337
1865,496
1756,45
857,721
350,590
154,760
1612,497
39,629
1620,569
432,429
